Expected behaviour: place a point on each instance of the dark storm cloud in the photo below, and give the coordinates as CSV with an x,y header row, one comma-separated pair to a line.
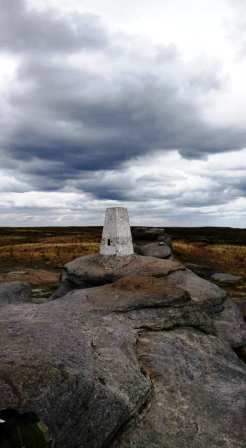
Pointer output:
x,y
23,29
74,116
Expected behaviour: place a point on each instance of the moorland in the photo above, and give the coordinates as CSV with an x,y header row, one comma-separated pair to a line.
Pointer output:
x,y
37,255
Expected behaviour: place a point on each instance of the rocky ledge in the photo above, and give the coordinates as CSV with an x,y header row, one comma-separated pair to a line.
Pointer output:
x,y
140,352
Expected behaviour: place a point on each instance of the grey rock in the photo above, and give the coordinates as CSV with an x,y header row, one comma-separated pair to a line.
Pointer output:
x,y
14,292
199,289
94,270
226,279
129,294
147,303
140,360
98,270
157,249
198,397
78,372
230,325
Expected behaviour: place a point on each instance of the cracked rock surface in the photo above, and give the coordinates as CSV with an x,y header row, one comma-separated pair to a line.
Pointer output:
x,y
196,400
141,359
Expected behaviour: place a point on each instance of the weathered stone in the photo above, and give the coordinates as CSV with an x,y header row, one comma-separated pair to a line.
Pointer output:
x,y
226,279
95,270
198,394
230,325
157,249
14,292
199,289
142,361
131,293
168,318
78,373
148,303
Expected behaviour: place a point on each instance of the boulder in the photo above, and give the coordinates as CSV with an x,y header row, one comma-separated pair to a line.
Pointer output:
x,y
130,363
94,270
157,249
230,325
199,289
198,394
147,303
79,373
137,354
14,292
226,279
131,293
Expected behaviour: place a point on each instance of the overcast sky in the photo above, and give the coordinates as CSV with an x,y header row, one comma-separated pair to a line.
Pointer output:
x,y
126,102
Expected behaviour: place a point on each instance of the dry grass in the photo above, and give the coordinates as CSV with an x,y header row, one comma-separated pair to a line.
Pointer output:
x,y
55,253
32,276
224,257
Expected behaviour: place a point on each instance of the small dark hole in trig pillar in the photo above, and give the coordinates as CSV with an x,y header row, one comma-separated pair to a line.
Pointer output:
x,y
109,242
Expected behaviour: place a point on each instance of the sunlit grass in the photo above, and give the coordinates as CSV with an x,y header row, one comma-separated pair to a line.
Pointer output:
x,y
50,252
225,257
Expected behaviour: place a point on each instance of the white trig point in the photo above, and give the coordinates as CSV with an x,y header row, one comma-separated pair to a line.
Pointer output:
x,y
116,236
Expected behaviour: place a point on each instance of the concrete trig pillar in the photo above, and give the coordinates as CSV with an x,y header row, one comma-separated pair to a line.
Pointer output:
x,y
116,236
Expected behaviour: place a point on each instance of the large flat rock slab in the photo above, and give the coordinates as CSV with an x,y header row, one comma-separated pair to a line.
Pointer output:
x,y
97,269
198,394
130,293
131,363
200,289
230,325
78,373
138,354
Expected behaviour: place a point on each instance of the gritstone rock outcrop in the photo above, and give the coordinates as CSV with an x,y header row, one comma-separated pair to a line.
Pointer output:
x,y
138,353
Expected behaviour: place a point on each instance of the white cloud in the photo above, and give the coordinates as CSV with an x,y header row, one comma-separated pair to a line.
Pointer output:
x,y
162,189
155,75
